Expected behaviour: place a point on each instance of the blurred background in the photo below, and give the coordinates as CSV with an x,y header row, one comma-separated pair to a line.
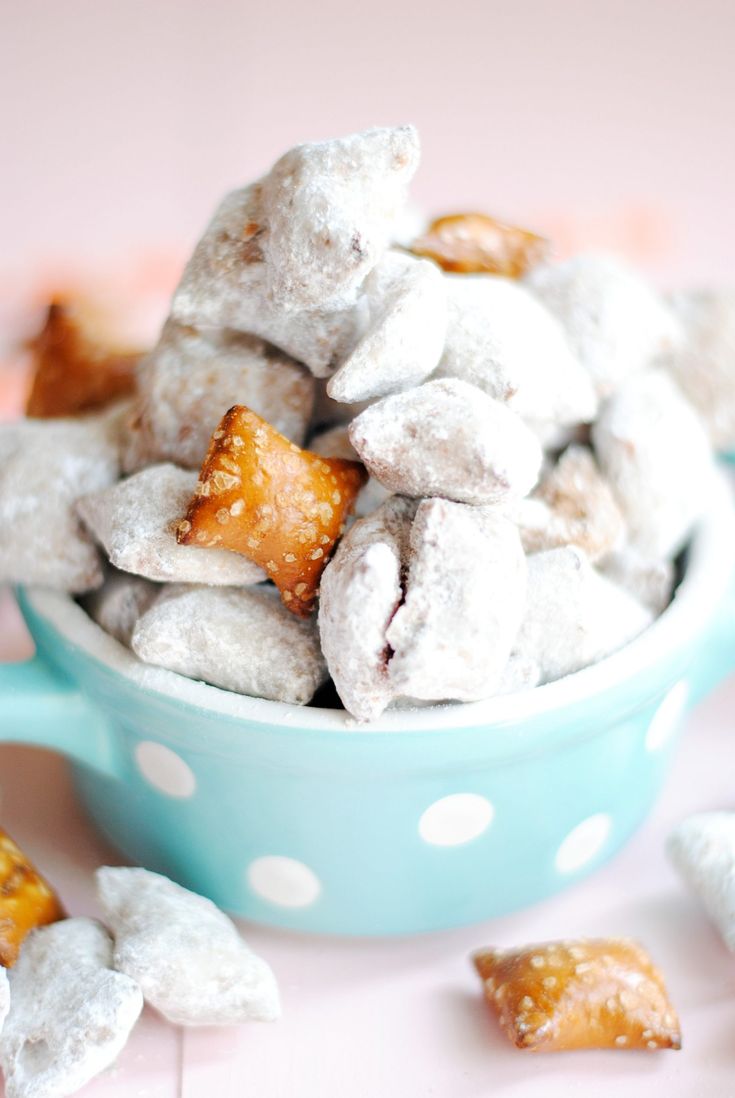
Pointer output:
x,y
602,124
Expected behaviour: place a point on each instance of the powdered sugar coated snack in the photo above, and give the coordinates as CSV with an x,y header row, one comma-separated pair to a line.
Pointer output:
x,y
119,602
614,321
589,993
70,1014
447,438
191,376
241,639
135,522
702,848
4,997
26,900
405,335
184,953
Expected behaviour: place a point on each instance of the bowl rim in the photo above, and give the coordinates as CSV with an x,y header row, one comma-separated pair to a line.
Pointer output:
x,y
710,566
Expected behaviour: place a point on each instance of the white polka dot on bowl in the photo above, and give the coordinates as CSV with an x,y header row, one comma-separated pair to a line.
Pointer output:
x,y
583,843
283,881
165,770
667,717
456,819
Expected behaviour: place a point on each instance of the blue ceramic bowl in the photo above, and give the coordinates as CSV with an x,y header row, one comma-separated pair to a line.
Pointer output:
x,y
428,818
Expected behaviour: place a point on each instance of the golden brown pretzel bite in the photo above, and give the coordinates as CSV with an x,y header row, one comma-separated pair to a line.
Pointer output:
x,y
473,243
603,993
26,900
282,507
73,372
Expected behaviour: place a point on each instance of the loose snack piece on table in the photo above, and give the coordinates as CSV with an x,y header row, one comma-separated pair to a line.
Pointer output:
x,y
503,340
71,1014
473,243
26,900
119,602
702,848
573,505
574,616
447,438
558,996
281,507
405,336
186,955
44,467
614,321
330,208
191,376
703,364
75,368
655,454
464,596
240,639
421,601
135,521
361,591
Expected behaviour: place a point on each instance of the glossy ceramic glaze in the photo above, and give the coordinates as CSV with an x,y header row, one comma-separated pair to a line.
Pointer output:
x,y
428,818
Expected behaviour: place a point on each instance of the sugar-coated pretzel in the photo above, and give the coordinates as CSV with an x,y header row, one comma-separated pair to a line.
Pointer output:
x,y
590,993
282,507
474,243
73,372
26,899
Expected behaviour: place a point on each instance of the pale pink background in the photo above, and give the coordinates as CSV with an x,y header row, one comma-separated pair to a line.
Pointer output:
x,y
600,123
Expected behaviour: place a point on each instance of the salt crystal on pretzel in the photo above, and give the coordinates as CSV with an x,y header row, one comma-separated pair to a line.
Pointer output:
x,y
405,335
186,955
464,597
584,993
614,321
71,1014
191,377
26,900
335,443
574,616
241,639
475,243
502,339
135,521
281,507
650,580
703,364
702,847
654,452
224,285
45,465
330,208
76,368
573,505
447,438
117,605
360,592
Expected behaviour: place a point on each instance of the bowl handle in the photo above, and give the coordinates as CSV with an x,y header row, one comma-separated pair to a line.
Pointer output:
x,y
39,706
716,657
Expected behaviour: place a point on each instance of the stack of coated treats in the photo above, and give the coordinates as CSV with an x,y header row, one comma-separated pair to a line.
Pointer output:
x,y
537,438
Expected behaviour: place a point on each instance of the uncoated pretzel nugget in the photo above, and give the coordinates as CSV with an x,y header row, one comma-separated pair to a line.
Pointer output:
x,y
282,507
473,243
191,376
73,370
447,438
26,899
588,993
330,208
